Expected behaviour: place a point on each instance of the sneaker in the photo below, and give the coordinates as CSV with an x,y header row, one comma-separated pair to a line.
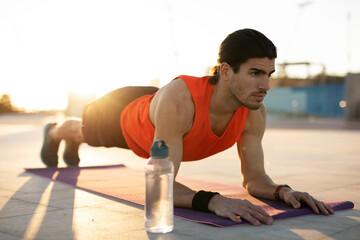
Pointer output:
x,y
49,148
71,153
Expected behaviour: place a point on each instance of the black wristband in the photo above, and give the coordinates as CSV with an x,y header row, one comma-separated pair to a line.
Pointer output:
x,y
201,200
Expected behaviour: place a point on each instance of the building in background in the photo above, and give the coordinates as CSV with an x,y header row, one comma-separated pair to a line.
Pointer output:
x,y
309,91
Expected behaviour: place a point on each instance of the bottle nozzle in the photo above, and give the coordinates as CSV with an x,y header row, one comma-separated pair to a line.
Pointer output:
x,y
159,149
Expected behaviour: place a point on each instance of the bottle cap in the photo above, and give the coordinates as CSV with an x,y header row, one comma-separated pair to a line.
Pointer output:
x,y
159,149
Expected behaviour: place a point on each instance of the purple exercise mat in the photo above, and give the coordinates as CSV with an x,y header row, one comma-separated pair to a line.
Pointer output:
x,y
126,184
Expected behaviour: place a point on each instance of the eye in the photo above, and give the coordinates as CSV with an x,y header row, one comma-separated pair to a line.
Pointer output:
x,y
255,73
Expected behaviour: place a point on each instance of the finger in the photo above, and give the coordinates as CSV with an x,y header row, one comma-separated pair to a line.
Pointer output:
x,y
250,219
261,217
329,209
293,202
261,211
260,214
308,199
322,208
233,217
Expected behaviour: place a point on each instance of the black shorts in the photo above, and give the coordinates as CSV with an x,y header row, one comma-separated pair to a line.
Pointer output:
x,y
101,118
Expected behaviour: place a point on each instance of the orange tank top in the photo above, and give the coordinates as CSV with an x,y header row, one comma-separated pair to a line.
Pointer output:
x,y
200,142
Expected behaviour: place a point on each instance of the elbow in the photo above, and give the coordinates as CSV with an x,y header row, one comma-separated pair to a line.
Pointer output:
x,y
245,184
249,187
251,183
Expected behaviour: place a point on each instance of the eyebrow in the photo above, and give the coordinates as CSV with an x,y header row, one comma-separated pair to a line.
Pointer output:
x,y
262,71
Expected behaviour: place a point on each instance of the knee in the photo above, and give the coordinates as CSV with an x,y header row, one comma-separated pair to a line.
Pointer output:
x,y
70,129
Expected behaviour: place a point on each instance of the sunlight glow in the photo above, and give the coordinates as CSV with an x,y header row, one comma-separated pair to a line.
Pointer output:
x,y
51,48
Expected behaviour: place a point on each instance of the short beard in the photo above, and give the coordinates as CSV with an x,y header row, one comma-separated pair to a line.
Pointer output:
x,y
236,102
252,106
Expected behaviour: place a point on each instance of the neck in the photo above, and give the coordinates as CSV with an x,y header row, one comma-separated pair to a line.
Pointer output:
x,y
221,102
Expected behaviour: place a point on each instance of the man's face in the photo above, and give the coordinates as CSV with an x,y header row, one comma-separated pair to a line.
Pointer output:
x,y
250,84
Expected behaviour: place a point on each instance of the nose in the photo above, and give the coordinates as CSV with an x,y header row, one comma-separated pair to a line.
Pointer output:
x,y
264,84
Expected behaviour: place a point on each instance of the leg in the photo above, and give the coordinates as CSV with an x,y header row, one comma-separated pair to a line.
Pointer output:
x,y
101,118
70,131
99,127
49,148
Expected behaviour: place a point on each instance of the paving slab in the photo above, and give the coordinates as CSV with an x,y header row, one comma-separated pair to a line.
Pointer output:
x,y
320,156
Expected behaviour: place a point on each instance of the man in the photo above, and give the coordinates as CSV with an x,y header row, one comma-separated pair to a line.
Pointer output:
x,y
197,117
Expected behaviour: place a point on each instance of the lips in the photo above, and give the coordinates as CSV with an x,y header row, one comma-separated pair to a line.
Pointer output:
x,y
259,96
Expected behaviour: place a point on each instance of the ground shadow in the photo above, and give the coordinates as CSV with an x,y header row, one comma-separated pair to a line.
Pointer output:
x,y
39,203
66,199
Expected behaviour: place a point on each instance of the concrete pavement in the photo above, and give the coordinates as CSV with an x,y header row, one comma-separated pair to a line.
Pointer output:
x,y
320,156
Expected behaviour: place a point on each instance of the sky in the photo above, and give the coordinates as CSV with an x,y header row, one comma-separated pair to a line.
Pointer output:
x,y
49,48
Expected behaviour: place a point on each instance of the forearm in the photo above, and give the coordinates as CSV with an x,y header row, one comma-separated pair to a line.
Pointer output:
x,y
183,195
261,186
234,209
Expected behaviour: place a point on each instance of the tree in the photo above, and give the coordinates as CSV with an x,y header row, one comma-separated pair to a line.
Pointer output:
x,y
6,105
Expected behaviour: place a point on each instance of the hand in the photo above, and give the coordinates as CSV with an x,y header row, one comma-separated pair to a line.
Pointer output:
x,y
237,209
293,198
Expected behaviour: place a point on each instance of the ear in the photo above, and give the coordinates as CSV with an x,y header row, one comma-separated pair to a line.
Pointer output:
x,y
225,71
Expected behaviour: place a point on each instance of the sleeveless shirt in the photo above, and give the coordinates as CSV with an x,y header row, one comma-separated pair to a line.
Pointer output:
x,y
200,142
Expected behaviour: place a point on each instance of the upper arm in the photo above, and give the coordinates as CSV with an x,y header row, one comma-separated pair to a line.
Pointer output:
x,y
172,112
250,146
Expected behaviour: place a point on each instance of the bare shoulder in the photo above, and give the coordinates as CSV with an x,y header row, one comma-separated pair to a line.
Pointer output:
x,y
173,102
176,94
176,90
256,121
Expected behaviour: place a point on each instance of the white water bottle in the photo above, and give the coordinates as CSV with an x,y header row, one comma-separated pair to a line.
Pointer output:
x,y
159,200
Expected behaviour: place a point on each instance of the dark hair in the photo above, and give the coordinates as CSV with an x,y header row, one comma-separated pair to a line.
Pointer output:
x,y
241,45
